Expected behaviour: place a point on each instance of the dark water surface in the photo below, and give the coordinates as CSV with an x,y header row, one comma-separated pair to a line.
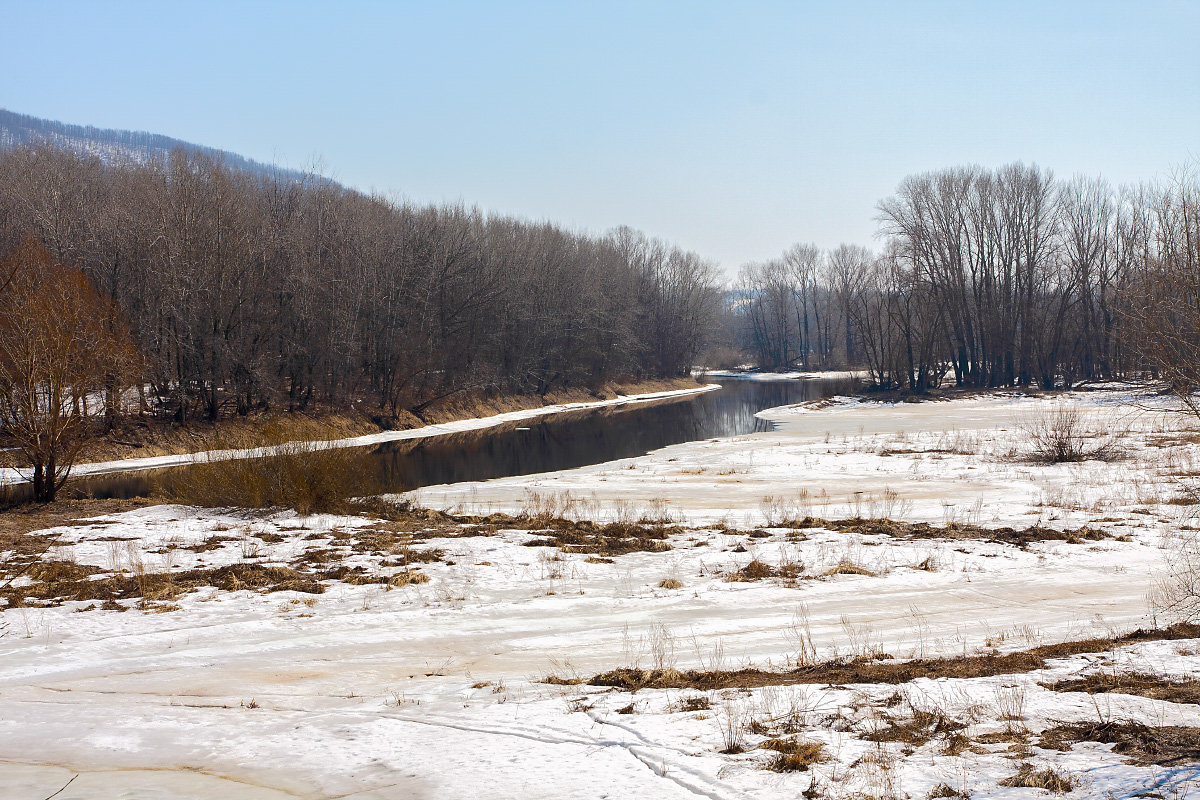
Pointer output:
x,y
562,441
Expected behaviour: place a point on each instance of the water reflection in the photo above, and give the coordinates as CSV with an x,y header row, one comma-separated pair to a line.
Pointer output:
x,y
563,441
578,439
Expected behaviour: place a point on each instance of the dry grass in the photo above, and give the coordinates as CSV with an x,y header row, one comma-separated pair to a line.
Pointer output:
x,y
860,670
24,519
1141,744
57,582
699,702
793,755
468,405
756,570
612,539
408,577
139,437
1155,687
952,531
847,567
922,726
1050,780
24,541
298,475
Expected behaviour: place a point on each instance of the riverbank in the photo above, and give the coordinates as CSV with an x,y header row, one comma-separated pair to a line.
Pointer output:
x,y
137,437
219,448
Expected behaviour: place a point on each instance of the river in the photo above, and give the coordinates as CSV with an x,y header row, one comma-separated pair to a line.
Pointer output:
x,y
559,441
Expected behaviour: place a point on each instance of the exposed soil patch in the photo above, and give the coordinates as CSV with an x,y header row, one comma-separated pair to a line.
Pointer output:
x,y
865,671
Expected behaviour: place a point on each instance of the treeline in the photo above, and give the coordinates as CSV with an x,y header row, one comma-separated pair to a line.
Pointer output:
x,y
986,278
246,291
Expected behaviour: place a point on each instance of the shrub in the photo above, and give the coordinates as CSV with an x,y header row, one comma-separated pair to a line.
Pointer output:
x,y
310,477
1063,434
1176,593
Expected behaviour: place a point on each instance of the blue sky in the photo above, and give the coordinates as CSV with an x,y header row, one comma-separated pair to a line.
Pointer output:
x,y
733,129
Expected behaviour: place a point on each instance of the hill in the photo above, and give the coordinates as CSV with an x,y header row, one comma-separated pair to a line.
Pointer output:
x,y
113,145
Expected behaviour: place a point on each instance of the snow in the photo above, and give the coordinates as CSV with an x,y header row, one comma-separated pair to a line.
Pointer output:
x,y
934,461
16,476
831,375
434,690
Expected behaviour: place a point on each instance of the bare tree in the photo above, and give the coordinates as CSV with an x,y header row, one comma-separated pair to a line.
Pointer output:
x,y
1163,306
61,344
249,292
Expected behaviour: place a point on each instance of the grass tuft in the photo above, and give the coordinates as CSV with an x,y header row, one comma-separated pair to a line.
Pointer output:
x,y
793,755
1050,780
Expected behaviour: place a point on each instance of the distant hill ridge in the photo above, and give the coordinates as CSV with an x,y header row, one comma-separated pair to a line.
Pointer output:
x,y
112,145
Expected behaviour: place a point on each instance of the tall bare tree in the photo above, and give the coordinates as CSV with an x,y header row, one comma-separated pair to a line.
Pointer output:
x,y
61,346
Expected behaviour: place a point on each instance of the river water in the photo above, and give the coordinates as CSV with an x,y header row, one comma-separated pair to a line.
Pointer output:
x,y
559,441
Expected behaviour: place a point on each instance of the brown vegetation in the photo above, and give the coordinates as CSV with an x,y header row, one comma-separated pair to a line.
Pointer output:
x,y
612,539
1155,687
63,345
850,671
915,730
1142,744
756,570
300,475
1062,434
793,755
1029,778
955,530
57,582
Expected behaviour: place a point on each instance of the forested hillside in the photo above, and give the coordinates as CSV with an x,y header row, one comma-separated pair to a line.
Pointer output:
x,y
246,290
115,146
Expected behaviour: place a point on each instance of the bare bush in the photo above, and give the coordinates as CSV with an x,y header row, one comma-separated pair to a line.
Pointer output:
x,y
1062,434
1176,593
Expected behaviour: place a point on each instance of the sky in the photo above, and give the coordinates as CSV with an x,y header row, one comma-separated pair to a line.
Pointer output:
x,y
732,129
